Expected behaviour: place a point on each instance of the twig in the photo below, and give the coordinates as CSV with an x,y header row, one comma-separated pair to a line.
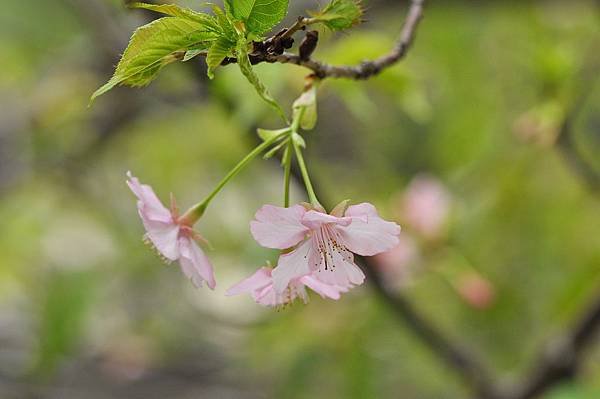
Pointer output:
x,y
364,70
452,353
566,144
561,359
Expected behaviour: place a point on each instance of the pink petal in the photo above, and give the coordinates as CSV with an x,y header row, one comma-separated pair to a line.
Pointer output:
x,y
267,297
314,220
292,265
426,206
194,263
149,206
368,234
259,280
164,237
341,270
277,227
325,290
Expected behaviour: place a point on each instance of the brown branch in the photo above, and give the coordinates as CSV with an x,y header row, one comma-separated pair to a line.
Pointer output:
x,y
366,69
562,358
567,145
454,354
264,51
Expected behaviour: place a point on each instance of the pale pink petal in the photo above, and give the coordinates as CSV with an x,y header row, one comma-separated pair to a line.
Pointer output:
x,y
149,206
292,265
325,290
426,206
267,296
338,268
195,264
259,280
368,234
164,237
277,227
314,220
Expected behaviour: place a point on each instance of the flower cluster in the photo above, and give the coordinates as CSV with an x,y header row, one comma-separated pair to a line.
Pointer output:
x,y
317,249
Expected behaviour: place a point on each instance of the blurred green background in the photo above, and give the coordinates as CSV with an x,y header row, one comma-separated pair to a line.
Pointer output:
x,y
87,311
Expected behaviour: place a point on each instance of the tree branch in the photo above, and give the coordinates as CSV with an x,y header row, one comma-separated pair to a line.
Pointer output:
x,y
264,51
366,69
566,144
454,354
562,358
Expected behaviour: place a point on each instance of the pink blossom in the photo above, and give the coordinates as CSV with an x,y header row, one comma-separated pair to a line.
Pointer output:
x,y
260,286
476,290
172,236
426,206
397,264
322,245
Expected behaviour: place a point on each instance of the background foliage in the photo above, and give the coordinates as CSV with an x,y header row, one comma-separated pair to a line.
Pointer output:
x,y
87,311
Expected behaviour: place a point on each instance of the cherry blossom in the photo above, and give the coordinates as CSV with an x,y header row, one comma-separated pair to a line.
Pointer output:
x,y
322,245
426,206
171,235
260,286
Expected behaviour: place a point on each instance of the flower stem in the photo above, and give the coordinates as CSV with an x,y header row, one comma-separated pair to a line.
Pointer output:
x,y
309,188
196,211
287,169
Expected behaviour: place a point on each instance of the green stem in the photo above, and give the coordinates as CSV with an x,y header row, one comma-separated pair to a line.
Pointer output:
x,y
287,169
196,211
309,188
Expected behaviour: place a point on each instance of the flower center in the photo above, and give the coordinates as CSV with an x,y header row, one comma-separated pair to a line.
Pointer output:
x,y
329,247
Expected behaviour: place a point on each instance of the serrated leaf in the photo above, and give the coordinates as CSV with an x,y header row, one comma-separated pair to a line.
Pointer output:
x,y
155,45
305,108
340,14
227,28
174,10
221,48
248,72
259,16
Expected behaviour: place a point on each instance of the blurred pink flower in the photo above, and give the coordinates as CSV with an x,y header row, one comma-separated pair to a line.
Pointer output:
x,y
476,290
426,206
395,263
323,245
260,286
172,236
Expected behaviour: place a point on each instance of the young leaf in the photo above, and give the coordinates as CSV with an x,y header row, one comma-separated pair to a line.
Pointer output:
x,y
221,48
305,108
174,10
154,46
259,16
266,134
340,14
191,54
248,72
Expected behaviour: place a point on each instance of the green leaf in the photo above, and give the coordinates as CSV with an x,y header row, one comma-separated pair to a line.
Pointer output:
x,y
340,14
266,134
221,48
259,16
155,45
305,108
176,11
248,72
191,54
